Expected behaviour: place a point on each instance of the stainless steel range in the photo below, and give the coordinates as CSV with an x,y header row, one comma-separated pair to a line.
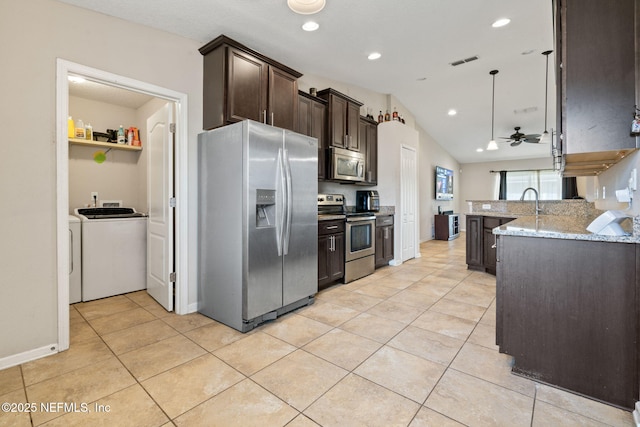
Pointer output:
x,y
360,242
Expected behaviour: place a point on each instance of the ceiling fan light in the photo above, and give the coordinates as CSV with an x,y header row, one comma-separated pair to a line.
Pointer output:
x,y
545,138
493,145
306,7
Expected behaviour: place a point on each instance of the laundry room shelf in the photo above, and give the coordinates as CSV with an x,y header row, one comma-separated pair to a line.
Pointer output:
x,y
89,143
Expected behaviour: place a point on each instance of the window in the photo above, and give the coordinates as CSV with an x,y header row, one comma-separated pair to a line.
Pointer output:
x,y
547,182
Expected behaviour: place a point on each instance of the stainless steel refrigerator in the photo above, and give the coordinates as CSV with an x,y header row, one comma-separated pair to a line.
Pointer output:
x,y
258,223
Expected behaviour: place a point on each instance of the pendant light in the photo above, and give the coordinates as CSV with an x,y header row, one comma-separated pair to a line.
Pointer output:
x,y
546,137
492,144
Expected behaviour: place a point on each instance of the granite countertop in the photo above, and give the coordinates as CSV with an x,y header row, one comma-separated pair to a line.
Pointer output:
x,y
561,227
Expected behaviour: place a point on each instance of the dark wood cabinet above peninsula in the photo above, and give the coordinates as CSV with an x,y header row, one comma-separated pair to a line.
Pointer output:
x,y
596,56
240,83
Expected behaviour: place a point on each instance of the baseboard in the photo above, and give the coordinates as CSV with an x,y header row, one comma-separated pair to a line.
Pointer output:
x,y
636,415
192,308
28,356
395,262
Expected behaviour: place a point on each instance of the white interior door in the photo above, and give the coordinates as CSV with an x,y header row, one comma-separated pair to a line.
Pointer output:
x,y
160,190
408,197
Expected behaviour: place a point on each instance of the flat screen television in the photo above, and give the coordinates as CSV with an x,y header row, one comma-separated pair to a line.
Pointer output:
x,y
444,183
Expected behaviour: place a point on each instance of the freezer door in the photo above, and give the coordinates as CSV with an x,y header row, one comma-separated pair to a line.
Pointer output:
x,y
300,270
265,179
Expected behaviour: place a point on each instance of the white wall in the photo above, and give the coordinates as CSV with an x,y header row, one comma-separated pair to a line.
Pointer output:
x,y
430,155
117,177
35,33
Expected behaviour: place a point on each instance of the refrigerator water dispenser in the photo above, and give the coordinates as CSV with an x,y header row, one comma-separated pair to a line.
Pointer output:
x,y
265,208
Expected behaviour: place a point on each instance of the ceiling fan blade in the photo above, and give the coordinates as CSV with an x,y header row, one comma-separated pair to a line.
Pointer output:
x,y
532,136
516,143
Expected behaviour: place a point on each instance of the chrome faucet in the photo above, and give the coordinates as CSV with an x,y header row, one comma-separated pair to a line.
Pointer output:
x,y
538,210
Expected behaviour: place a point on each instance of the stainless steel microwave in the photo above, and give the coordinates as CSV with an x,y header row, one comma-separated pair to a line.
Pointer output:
x,y
346,165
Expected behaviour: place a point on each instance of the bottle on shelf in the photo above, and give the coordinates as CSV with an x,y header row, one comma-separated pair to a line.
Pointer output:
x,y
121,137
380,117
88,130
80,131
71,128
130,136
395,114
387,116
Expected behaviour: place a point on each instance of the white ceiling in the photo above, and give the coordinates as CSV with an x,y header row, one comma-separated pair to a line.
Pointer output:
x,y
417,39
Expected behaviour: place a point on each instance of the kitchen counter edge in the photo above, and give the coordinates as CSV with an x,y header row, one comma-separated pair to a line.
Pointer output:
x,y
561,227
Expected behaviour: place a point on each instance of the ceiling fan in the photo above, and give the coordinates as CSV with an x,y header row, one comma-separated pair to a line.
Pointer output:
x,y
518,137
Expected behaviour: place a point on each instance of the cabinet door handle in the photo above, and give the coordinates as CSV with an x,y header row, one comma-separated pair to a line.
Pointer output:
x,y
264,116
495,242
272,119
331,227
333,243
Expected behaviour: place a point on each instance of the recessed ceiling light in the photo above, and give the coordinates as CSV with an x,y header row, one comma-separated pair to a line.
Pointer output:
x,y
374,55
479,150
452,112
306,7
76,79
421,79
310,26
501,22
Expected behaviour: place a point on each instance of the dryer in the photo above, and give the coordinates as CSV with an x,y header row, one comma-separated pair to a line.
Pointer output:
x,y
114,251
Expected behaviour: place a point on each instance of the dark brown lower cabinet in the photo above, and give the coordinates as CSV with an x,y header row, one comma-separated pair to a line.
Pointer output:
x,y
384,240
567,311
481,250
330,252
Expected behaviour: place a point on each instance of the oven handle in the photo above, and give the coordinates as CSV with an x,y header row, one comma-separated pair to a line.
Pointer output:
x,y
361,218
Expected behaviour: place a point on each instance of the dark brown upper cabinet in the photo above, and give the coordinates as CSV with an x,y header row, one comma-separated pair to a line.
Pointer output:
x,y
596,81
343,126
369,147
240,83
312,113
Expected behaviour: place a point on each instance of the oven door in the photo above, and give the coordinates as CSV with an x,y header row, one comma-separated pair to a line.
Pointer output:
x,y
360,238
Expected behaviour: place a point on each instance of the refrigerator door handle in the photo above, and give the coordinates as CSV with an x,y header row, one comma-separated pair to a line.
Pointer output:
x,y
289,202
282,209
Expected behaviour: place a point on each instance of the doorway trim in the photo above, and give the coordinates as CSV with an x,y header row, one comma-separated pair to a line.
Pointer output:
x,y
63,69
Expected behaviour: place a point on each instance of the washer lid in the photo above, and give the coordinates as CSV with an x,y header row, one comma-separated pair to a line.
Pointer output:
x,y
101,213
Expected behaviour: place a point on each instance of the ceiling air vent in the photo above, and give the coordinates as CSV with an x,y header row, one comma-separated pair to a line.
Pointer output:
x,y
464,61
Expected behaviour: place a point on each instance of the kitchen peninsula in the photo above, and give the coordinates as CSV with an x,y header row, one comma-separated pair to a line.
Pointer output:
x,y
567,305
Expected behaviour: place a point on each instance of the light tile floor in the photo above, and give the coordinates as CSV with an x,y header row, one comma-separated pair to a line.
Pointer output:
x,y
407,346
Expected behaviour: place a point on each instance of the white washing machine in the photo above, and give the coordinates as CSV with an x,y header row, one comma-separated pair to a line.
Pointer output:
x,y
114,251
75,260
